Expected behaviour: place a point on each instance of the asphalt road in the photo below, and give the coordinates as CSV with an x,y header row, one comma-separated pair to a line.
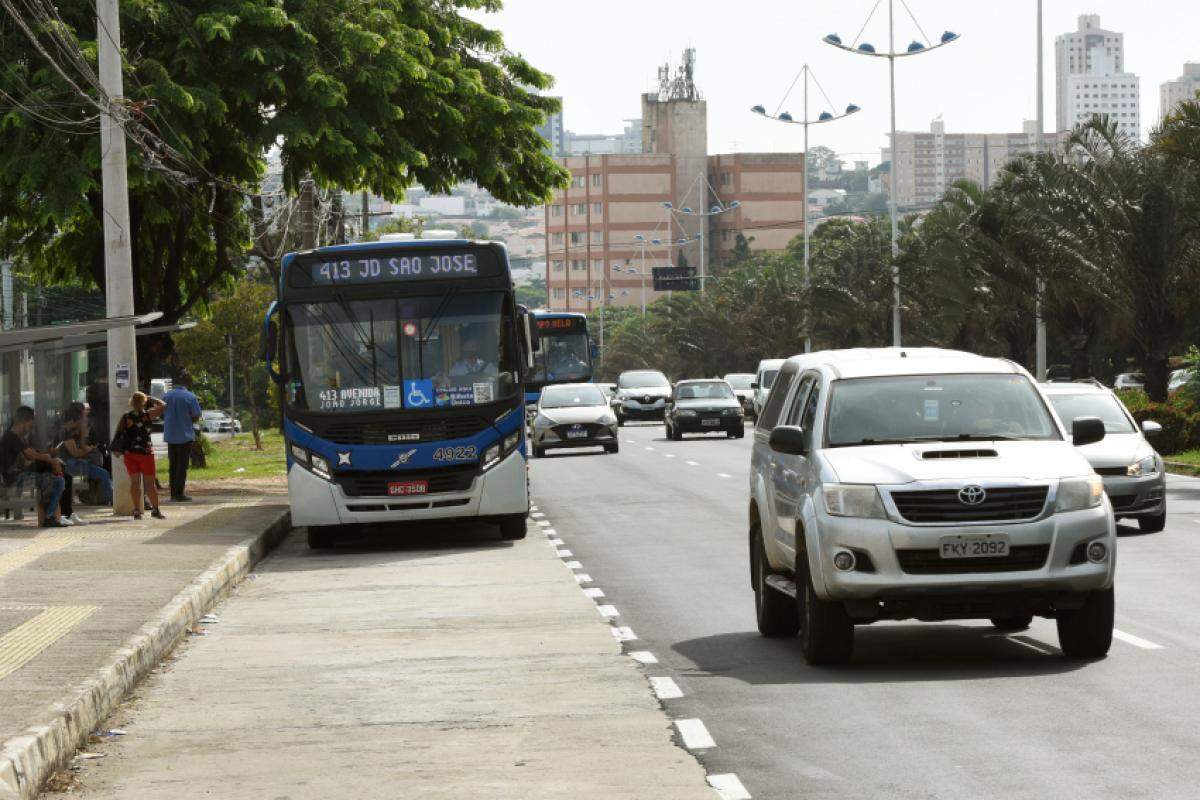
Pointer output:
x,y
951,710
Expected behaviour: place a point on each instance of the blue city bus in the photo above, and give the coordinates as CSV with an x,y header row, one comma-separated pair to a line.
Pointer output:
x,y
400,365
564,352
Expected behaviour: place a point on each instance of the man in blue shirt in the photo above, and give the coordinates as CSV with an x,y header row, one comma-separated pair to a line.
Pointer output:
x,y
183,409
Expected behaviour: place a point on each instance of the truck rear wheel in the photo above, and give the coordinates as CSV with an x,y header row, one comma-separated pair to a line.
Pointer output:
x,y
774,610
512,527
826,630
1086,632
321,537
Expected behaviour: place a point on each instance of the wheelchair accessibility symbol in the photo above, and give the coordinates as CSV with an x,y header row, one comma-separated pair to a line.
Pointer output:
x,y
418,394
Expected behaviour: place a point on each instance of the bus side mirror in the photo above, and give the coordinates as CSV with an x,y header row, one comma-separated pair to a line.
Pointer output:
x,y
595,350
269,342
528,336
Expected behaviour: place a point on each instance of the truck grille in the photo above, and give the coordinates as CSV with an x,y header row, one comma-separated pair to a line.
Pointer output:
x,y
1005,504
375,484
929,562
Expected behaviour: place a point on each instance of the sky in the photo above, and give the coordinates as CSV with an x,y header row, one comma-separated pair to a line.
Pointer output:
x,y
603,55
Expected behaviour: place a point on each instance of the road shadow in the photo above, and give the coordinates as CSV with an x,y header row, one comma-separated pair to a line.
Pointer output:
x,y
397,541
882,654
1127,530
597,451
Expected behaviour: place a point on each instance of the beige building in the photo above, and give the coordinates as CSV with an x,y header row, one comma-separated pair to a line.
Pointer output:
x,y
927,164
593,250
1172,93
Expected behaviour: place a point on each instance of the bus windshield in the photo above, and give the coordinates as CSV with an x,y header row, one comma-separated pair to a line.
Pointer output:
x,y
400,353
563,358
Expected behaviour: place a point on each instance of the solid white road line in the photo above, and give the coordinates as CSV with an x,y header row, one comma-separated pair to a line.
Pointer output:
x,y
608,611
692,463
644,657
574,565
728,787
623,633
695,736
564,553
583,577
666,689
594,592
1136,641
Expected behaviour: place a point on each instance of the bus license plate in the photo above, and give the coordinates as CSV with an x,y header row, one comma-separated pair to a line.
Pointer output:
x,y
408,487
975,545
711,423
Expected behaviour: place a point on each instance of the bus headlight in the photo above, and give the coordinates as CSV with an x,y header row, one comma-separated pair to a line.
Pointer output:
x,y
1077,494
299,454
320,466
492,456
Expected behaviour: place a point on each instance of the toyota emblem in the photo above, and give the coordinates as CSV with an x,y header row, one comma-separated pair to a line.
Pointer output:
x,y
971,495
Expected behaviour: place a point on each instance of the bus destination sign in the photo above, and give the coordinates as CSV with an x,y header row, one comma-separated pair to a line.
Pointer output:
x,y
368,268
555,325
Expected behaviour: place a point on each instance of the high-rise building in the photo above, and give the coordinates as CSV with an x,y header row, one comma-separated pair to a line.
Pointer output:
x,y
594,254
927,164
1172,93
1090,78
554,133
628,142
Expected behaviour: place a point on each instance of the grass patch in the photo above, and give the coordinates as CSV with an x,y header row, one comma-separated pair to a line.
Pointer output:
x,y
226,458
1190,458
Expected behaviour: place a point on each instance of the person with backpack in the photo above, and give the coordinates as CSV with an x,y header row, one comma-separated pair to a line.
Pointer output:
x,y
133,438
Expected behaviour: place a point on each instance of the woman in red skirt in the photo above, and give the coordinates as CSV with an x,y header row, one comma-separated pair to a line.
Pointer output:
x,y
139,451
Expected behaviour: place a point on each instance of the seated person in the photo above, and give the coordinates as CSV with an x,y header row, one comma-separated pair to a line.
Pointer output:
x,y
22,465
469,362
75,451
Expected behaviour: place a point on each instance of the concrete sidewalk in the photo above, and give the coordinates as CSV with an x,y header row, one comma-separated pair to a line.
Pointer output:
x,y
86,612
430,662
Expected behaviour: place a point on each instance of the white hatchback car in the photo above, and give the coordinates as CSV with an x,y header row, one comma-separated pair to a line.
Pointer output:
x,y
930,484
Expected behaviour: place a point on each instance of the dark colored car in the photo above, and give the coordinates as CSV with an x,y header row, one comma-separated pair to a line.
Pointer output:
x,y
704,406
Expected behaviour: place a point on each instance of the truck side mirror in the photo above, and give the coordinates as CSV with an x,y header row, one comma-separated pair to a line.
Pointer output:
x,y
1087,430
754,385
789,440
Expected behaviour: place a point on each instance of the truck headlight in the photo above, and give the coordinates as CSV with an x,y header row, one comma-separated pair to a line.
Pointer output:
x,y
685,413
1147,466
850,500
1077,494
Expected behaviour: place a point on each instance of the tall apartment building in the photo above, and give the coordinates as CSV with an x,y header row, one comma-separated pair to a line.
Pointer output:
x,y
1172,93
927,164
1090,78
554,133
593,254
628,142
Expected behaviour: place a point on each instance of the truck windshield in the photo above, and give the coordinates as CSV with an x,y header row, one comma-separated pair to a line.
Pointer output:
x,y
907,408
400,353
562,358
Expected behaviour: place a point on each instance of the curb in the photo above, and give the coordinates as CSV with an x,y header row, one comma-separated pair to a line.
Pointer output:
x,y
27,761
1180,468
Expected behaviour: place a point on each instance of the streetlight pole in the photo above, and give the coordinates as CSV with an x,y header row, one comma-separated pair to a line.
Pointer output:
x,y
825,116
1039,308
118,259
915,48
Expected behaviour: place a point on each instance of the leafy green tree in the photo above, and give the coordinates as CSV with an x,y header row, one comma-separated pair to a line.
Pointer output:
x,y
238,314
376,95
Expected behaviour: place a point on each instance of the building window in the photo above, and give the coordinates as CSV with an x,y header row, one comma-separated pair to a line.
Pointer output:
x,y
597,208
578,265
578,237
579,209
557,264
556,237
597,180
598,266
726,178
560,294
556,211
577,182
597,237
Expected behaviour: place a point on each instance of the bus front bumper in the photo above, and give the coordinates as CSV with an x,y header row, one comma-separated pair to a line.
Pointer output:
x,y
502,490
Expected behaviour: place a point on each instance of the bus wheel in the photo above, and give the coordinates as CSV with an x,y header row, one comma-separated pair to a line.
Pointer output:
x,y
512,527
321,537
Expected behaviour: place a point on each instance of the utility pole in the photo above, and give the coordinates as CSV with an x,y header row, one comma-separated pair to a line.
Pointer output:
x,y
229,345
308,214
1039,143
366,216
118,258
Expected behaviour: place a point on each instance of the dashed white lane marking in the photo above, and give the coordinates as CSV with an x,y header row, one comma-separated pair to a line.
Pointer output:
x,y
594,592
644,657
574,565
544,523
533,508
692,463
608,611
623,633
668,455
724,475
728,787
564,553
550,531
695,736
537,514
583,577
630,441
556,542
649,449
666,689
1136,641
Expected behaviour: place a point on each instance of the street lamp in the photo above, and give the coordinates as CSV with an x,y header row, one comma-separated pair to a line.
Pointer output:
x,y
915,48
715,210
824,117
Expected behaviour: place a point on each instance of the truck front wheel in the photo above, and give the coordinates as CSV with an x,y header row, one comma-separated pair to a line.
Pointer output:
x,y
321,537
1086,632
